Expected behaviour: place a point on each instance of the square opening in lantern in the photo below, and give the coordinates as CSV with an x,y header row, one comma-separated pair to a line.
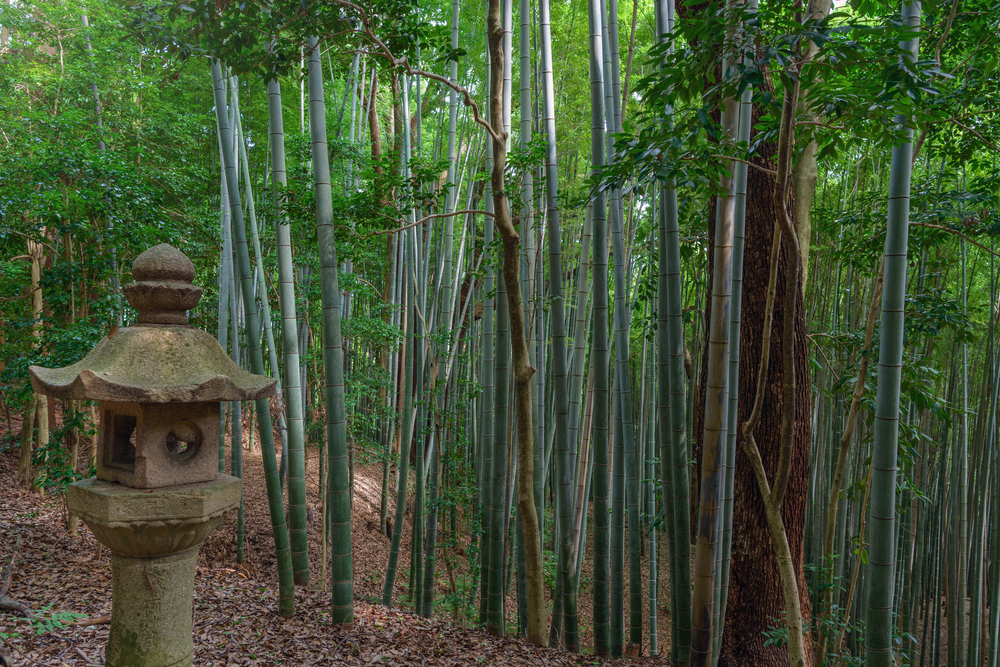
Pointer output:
x,y
118,439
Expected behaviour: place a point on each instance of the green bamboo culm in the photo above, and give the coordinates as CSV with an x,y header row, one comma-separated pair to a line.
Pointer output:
x,y
623,393
962,471
444,349
879,625
670,400
489,353
714,433
339,490
407,421
618,497
236,410
564,614
622,316
420,375
286,584
289,346
420,440
235,407
617,525
599,349
498,501
739,226
223,328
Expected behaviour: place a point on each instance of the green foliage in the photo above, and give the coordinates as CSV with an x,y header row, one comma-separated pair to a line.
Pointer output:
x,y
46,621
92,210
55,469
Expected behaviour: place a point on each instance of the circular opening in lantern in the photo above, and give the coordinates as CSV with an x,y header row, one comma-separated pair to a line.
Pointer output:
x,y
183,442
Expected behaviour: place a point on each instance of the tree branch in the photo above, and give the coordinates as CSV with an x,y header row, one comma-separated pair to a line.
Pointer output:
x,y
981,137
956,232
769,172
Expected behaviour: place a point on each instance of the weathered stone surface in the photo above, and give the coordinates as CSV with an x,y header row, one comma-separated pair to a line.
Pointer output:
x,y
163,262
157,494
154,364
161,360
162,302
151,611
153,537
155,523
148,446
162,291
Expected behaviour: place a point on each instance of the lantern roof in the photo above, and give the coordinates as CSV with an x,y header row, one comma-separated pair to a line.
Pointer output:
x,y
161,359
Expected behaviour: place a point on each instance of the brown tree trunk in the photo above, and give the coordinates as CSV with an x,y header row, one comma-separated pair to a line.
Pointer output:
x,y
25,472
755,597
522,369
755,601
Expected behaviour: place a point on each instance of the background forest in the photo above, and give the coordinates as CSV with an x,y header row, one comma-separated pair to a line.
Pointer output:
x,y
662,330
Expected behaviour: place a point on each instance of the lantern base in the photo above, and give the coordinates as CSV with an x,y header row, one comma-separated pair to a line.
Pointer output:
x,y
153,537
151,610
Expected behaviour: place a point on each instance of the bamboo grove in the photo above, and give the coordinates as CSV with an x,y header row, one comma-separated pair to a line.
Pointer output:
x,y
703,364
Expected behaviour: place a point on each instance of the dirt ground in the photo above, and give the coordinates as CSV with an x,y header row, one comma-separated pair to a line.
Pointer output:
x,y
67,584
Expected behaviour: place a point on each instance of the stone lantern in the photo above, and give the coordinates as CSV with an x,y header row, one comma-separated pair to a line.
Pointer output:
x,y
158,493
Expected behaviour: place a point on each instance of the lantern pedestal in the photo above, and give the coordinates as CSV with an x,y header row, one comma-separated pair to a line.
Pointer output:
x,y
153,537
158,493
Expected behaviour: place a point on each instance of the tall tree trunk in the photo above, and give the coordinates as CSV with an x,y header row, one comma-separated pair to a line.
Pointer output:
x,y
406,419
878,636
444,350
670,400
388,299
599,350
564,618
286,590
522,370
755,597
339,490
499,509
38,405
714,430
622,321
290,348
732,426
489,382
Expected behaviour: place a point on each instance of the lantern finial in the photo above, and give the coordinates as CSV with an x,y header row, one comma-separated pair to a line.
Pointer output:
x,y
162,291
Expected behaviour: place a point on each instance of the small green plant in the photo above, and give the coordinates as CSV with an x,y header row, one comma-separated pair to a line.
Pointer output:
x,y
549,566
9,440
43,623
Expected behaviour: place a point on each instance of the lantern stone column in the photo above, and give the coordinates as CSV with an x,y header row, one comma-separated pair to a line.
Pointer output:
x,y
157,495
153,537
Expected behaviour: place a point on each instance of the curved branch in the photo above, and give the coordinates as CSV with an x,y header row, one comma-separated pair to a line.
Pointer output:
x,y
33,240
769,172
461,90
404,63
956,232
981,137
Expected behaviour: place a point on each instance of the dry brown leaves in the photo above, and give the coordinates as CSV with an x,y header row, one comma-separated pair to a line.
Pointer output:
x,y
235,611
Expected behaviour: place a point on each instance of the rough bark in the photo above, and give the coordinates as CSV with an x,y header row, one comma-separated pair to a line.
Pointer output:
x,y
755,601
755,595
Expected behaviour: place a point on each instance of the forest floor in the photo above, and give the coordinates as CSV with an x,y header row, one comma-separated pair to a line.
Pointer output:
x,y
64,580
